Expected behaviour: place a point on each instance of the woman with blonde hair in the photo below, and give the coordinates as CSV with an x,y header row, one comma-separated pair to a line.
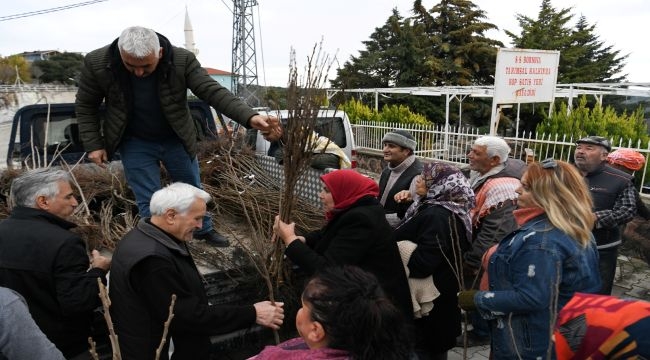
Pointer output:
x,y
536,270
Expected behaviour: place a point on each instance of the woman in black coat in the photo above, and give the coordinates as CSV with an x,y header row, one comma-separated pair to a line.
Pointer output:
x,y
356,233
438,223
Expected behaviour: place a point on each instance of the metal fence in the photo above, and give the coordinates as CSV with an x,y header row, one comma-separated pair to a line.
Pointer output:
x,y
453,144
36,87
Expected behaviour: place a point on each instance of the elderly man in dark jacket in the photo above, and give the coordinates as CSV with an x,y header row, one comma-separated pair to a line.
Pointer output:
x,y
494,178
143,81
46,263
614,198
151,263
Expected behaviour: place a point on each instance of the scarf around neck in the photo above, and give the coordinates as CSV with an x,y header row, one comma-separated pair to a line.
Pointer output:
x,y
524,215
395,173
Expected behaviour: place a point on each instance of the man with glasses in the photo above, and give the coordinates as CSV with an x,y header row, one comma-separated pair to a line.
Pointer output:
x,y
614,201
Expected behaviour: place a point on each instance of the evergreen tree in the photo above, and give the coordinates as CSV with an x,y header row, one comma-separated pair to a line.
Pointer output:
x,y
390,58
583,58
444,46
459,52
63,68
595,61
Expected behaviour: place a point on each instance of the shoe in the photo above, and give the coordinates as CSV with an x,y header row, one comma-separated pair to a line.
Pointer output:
x,y
472,340
213,238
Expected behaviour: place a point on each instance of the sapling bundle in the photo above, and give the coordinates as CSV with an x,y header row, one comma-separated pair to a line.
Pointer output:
x,y
304,99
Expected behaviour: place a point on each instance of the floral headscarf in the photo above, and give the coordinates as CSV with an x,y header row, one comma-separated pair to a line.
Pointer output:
x,y
347,187
447,187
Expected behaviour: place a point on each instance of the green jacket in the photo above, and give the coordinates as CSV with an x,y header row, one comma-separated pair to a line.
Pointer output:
x,y
105,79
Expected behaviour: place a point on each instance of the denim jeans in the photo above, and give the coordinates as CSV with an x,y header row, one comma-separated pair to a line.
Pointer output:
x,y
607,268
141,160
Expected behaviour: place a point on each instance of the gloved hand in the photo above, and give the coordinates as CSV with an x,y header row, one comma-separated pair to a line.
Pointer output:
x,y
466,300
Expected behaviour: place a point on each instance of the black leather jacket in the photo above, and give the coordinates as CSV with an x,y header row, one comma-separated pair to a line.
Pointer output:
x,y
48,265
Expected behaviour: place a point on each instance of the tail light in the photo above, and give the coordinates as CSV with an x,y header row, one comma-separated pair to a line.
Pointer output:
x,y
353,160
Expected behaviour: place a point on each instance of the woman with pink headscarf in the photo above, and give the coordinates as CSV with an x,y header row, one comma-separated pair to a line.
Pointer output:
x,y
356,233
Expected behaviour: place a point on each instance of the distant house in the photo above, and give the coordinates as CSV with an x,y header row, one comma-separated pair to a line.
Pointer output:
x,y
223,77
31,56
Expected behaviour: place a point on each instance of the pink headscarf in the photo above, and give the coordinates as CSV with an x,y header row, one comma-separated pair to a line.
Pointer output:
x,y
347,187
628,158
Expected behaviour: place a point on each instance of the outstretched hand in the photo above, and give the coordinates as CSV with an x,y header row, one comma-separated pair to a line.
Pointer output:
x,y
268,125
403,196
269,315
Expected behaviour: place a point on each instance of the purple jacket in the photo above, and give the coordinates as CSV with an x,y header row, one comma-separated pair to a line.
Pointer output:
x,y
297,349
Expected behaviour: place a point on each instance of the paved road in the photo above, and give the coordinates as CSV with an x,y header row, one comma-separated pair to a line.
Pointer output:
x,y
632,281
5,129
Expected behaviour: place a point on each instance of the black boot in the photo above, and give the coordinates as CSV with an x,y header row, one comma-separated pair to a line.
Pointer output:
x,y
213,238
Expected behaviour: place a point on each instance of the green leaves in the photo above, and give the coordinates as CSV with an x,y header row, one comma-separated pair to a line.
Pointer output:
x,y
598,120
63,68
8,67
357,111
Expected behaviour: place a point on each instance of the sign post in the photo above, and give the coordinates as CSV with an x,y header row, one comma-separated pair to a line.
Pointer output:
x,y
523,76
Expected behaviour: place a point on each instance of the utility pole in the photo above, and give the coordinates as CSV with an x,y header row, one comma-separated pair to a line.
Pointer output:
x,y
19,82
244,57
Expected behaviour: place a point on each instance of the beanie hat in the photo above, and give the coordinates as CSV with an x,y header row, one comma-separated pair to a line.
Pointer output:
x,y
400,137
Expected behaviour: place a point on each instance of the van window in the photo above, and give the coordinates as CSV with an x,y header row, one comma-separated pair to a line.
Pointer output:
x,y
330,127
63,131
333,128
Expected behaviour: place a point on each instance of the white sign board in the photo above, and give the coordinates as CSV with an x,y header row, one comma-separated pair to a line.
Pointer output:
x,y
525,76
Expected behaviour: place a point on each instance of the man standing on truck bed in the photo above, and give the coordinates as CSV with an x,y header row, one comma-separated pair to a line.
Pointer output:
x,y
143,81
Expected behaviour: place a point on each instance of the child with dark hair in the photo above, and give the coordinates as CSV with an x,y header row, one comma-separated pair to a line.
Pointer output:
x,y
345,315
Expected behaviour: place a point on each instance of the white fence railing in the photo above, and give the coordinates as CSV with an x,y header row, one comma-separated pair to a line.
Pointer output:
x,y
454,144
36,87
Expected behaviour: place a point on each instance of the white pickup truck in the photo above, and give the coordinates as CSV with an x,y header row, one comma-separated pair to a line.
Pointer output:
x,y
331,123
54,127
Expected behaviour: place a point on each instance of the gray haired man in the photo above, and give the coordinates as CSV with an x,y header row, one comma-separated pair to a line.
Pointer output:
x,y
143,79
494,178
47,263
151,263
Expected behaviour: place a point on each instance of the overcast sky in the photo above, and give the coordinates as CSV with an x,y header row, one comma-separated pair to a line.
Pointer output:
x,y
341,24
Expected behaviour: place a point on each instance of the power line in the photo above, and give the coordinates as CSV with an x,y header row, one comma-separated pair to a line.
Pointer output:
x,y
46,11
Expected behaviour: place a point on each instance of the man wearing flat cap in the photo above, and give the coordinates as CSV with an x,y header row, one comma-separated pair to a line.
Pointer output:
x,y
403,166
614,201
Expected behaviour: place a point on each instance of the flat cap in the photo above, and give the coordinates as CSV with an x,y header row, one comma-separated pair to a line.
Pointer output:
x,y
596,140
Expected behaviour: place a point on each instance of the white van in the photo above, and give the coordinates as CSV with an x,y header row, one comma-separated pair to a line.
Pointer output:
x,y
333,124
